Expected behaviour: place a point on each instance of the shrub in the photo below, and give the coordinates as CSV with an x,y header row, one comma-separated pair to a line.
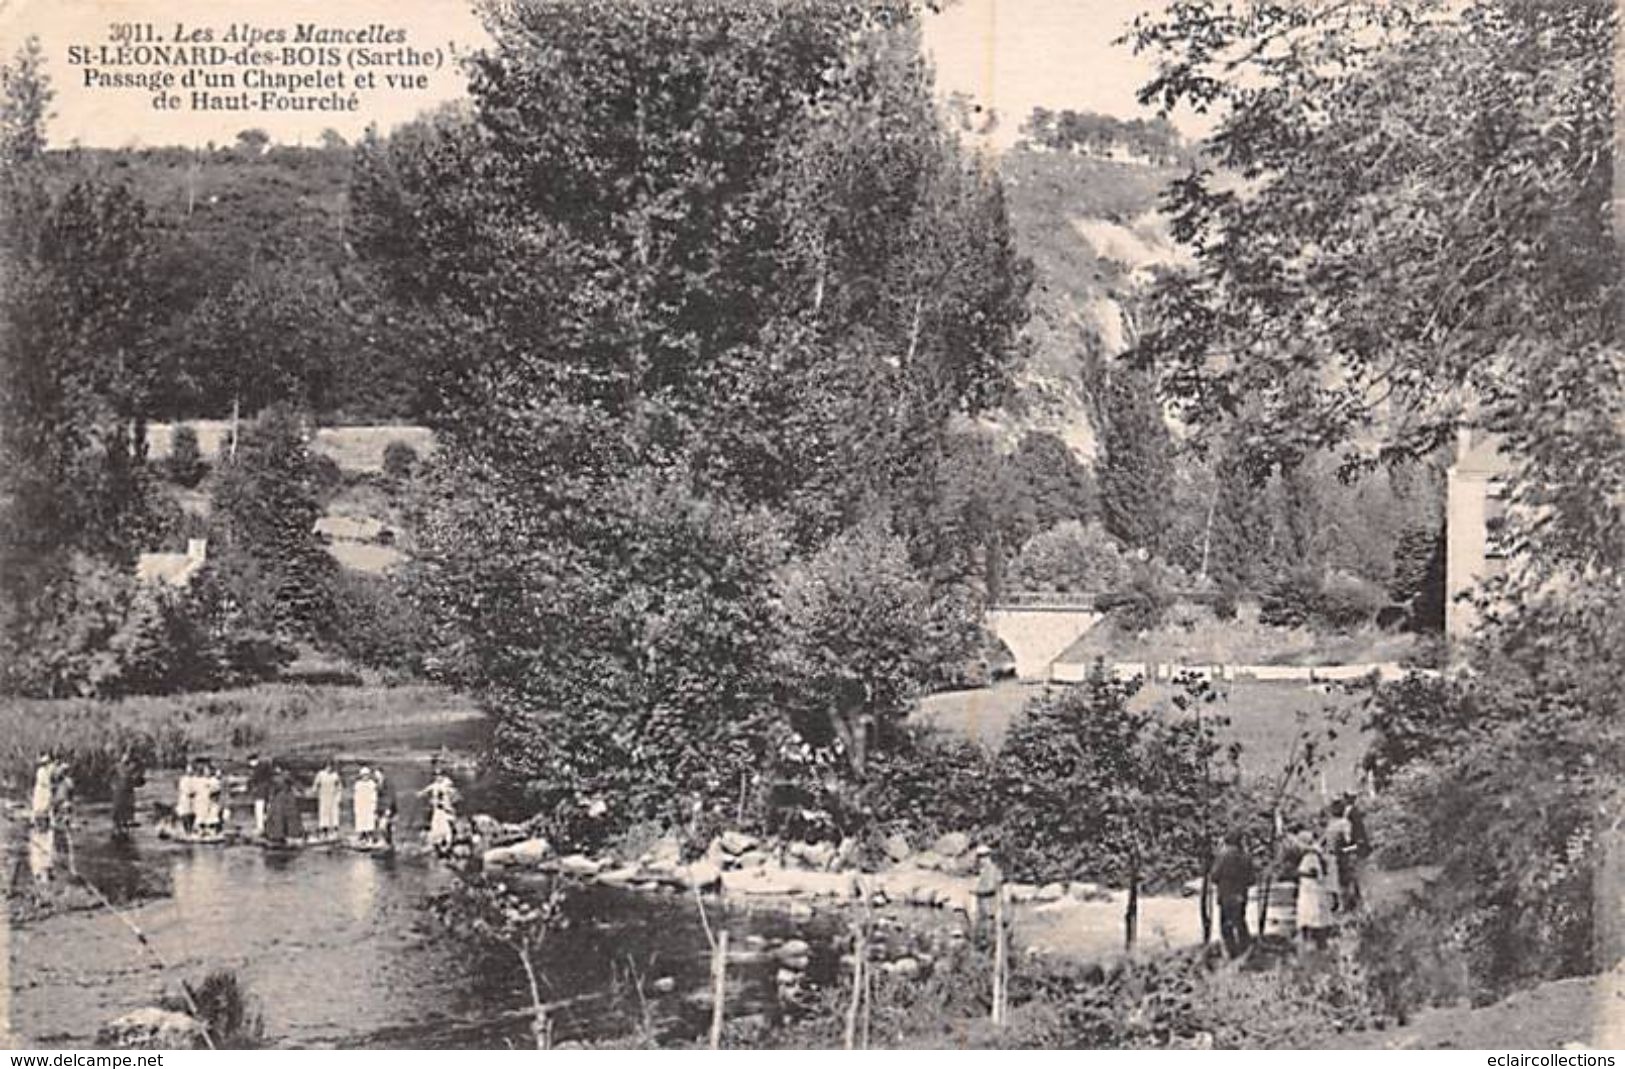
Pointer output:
x,y
376,625
1089,785
858,649
226,1012
928,783
400,461
1291,598
1346,601
1071,557
185,465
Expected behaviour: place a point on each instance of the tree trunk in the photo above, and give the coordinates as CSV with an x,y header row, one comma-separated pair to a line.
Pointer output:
x,y
1131,913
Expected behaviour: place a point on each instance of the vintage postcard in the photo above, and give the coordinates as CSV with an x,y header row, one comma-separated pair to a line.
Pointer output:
x,y
782,524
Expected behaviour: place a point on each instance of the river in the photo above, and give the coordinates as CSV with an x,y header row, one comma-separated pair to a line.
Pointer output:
x,y
337,949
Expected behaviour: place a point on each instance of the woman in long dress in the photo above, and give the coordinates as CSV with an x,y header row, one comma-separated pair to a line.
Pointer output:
x,y
282,819
442,798
1314,895
366,805
211,789
329,790
44,777
126,778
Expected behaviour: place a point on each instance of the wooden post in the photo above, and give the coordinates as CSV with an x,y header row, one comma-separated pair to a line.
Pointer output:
x,y
1001,959
719,986
860,951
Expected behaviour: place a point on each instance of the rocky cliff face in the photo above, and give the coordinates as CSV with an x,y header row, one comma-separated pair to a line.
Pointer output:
x,y
1092,229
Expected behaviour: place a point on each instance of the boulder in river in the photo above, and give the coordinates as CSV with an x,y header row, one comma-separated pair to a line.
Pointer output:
x,y
664,855
702,875
579,865
737,842
1050,892
951,845
928,859
904,967
151,1029
753,859
529,852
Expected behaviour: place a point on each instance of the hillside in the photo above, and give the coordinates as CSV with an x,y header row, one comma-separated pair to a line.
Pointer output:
x,y
1092,231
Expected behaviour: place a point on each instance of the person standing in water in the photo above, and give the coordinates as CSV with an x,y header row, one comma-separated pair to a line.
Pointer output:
x,y
366,806
186,799
259,788
209,808
442,796
329,790
282,820
386,807
126,778
44,775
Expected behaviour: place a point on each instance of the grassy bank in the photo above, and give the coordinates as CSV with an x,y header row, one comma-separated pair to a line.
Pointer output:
x,y
1266,718
163,730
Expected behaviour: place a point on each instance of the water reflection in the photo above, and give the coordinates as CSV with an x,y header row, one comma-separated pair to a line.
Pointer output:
x,y
339,951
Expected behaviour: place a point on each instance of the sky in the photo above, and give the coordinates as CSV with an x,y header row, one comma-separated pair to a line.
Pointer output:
x,y
1009,55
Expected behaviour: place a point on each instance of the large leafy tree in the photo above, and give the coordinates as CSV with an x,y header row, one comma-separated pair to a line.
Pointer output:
x,y
1403,231
660,344
1410,235
75,374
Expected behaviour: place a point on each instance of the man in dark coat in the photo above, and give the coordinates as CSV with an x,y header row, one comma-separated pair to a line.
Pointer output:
x,y
126,778
1232,876
259,788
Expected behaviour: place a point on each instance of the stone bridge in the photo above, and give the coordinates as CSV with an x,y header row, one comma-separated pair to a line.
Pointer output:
x,y
1039,629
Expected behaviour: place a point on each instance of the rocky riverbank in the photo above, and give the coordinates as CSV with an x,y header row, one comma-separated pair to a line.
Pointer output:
x,y
1074,919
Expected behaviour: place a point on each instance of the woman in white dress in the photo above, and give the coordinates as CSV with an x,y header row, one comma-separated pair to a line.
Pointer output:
x,y
44,780
329,790
366,805
1314,894
442,798
211,789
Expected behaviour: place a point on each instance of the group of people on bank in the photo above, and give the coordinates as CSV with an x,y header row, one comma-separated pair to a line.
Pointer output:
x,y
1327,874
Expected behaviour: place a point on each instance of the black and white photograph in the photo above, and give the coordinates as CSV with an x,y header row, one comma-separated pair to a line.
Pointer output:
x,y
629,525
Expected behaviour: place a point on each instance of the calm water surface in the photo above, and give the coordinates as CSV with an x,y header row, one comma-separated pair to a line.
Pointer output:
x,y
338,950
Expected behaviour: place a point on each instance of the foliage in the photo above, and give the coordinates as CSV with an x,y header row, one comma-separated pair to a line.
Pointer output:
x,y
855,643
274,337
1136,470
1090,783
489,910
1419,243
400,461
271,563
184,465
162,731
376,623
227,1012
1506,780
716,302
927,784
1097,134
1419,580
1071,557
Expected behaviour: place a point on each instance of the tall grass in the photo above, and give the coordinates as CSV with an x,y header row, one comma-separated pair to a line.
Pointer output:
x,y
163,731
